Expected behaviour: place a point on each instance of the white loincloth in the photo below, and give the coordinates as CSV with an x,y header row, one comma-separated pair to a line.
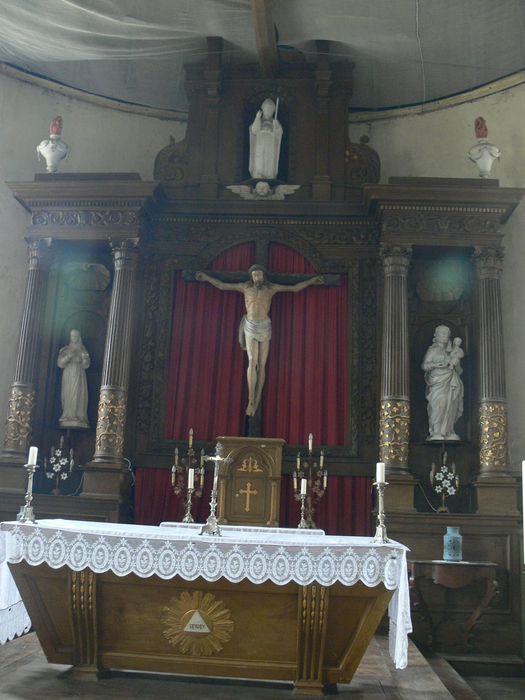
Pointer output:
x,y
254,330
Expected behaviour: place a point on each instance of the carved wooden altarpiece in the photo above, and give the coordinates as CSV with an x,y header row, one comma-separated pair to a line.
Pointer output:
x,y
388,240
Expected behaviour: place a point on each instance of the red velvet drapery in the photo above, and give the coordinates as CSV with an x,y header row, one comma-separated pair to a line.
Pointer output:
x,y
344,510
306,383
305,391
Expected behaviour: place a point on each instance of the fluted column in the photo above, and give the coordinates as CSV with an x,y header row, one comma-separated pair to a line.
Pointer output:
x,y
117,356
492,392
22,396
394,418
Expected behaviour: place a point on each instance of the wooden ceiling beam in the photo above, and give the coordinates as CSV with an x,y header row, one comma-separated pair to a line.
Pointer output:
x,y
265,37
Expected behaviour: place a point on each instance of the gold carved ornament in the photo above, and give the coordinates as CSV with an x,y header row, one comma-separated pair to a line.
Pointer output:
x,y
197,623
394,431
250,465
18,426
111,422
493,436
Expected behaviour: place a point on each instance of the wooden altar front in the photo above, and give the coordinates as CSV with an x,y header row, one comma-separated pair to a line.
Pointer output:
x,y
259,603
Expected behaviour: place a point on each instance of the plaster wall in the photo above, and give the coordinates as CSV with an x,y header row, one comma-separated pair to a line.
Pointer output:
x,y
435,144
101,140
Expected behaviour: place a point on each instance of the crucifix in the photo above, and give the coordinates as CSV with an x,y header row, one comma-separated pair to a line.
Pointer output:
x,y
255,329
248,493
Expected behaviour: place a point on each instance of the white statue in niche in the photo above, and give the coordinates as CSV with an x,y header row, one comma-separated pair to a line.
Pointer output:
x,y
265,142
73,359
444,391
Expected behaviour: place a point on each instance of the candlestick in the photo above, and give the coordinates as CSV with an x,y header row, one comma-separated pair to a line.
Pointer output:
x,y
381,535
310,442
187,514
303,524
380,473
26,514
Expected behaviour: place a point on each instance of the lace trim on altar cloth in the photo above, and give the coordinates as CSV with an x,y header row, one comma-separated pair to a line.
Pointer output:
x,y
14,621
303,560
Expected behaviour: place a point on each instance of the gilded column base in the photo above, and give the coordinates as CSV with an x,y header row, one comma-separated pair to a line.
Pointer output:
x,y
394,434
18,423
111,423
493,440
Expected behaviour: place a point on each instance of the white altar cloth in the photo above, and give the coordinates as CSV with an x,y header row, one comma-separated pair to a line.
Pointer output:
x,y
14,619
241,553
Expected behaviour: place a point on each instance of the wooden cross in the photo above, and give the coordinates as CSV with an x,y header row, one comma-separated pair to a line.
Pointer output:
x,y
248,493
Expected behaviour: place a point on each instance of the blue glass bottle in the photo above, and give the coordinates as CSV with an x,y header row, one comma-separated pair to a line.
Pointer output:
x,y
452,544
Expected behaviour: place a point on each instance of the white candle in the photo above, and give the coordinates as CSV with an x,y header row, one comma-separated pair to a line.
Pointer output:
x,y
303,487
176,456
298,463
380,473
321,461
310,441
202,457
33,455
191,477
173,471
215,479
190,439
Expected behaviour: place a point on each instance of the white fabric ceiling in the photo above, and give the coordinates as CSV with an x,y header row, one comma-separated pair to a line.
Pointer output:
x,y
404,51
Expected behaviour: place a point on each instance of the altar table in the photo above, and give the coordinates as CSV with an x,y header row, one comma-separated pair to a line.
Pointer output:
x,y
262,603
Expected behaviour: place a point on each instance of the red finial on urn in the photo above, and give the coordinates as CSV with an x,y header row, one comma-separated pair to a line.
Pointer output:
x,y
55,128
480,128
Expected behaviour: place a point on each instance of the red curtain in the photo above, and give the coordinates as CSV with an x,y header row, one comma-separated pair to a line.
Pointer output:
x,y
306,385
207,377
344,510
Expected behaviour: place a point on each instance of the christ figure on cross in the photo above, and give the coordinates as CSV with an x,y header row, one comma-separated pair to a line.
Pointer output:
x,y
255,330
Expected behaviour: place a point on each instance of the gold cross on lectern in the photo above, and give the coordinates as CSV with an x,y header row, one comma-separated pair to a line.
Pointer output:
x,y
248,493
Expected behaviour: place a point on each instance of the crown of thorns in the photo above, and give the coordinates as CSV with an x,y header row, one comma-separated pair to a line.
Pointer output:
x,y
253,268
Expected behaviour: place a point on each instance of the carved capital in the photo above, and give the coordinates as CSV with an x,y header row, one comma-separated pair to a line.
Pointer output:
x,y
493,438
394,433
396,259
38,253
109,443
489,262
124,252
18,423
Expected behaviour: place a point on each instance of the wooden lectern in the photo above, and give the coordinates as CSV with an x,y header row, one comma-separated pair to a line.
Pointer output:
x,y
250,482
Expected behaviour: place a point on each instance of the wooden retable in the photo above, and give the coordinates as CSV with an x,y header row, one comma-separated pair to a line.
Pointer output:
x,y
254,603
453,575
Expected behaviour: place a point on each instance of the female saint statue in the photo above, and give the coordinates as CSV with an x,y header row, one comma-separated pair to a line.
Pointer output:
x,y
73,359
265,142
444,391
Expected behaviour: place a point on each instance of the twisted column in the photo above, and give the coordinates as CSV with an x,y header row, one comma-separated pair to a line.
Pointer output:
x,y
112,405
22,396
492,392
394,417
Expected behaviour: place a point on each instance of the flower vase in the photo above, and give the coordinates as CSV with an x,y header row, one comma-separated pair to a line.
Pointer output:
x,y
452,544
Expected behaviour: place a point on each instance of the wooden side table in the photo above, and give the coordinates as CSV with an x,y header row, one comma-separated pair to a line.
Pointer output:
x,y
452,575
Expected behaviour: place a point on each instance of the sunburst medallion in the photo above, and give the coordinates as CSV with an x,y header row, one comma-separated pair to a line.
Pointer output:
x,y
197,623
